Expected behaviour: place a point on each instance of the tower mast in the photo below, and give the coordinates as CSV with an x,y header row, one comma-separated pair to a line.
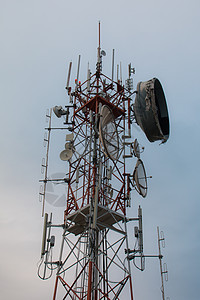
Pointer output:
x,y
93,262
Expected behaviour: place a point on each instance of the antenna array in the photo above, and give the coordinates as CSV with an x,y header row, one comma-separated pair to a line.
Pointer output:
x,y
98,146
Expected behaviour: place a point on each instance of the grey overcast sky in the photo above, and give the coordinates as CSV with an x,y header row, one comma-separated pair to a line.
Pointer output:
x,y
161,39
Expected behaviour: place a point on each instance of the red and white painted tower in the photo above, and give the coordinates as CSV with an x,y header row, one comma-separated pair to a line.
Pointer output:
x,y
94,255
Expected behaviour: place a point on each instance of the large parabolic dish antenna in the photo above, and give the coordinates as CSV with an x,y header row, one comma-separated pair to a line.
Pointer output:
x,y
150,109
108,134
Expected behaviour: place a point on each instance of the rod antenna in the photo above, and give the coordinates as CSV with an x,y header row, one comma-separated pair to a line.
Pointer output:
x,y
163,267
88,79
44,234
78,68
120,72
113,61
99,48
69,73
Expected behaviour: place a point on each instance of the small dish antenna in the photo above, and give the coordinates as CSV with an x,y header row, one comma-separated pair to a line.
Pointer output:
x,y
108,134
66,154
140,178
59,111
103,53
68,146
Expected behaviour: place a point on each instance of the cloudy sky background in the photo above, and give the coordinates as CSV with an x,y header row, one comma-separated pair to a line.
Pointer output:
x,y
160,39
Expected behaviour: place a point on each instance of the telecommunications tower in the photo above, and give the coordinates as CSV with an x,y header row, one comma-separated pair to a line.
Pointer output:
x,y
98,149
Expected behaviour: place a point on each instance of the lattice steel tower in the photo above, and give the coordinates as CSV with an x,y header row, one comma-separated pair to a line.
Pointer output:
x,y
93,261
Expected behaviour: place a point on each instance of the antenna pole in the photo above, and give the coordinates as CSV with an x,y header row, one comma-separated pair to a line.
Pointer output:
x,y
99,34
69,73
88,79
117,73
78,69
99,49
120,72
113,61
46,163
161,271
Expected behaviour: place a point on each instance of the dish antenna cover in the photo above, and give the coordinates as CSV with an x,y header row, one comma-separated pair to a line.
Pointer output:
x,y
150,109
140,178
59,111
136,149
66,154
103,53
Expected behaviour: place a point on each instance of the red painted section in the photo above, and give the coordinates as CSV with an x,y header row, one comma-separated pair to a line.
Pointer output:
x,y
55,289
131,288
